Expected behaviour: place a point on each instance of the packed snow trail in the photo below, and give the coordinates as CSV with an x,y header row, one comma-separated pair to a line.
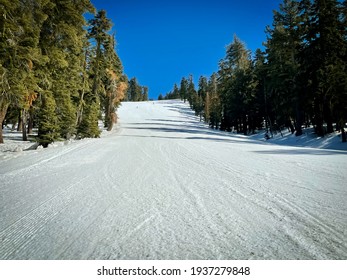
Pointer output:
x,y
163,186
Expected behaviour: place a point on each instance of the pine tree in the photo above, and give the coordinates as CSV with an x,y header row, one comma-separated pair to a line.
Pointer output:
x,y
183,89
207,107
85,82
323,58
100,25
113,82
262,102
89,124
132,89
341,78
48,124
102,80
224,75
175,92
145,93
191,92
135,91
235,84
282,53
215,109
202,93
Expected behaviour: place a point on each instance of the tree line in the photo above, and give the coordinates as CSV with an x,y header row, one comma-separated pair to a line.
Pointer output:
x,y
136,92
58,71
300,79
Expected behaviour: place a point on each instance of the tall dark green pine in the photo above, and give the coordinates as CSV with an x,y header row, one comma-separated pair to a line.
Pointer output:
x,y
100,25
202,93
324,59
341,106
262,101
224,74
98,30
192,95
282,53
112,80
134,90
235,84
184,89
85,81
48,127
215,104
145,93
175,92
88,127
138,93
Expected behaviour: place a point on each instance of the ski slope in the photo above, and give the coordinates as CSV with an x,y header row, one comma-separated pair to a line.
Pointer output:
x,y
164,186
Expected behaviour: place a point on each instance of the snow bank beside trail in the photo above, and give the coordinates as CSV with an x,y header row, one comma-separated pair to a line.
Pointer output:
x,y
308,140
14,146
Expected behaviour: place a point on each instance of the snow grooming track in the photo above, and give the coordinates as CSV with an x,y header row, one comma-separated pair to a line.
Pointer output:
x,y
34,222
164,186
41,162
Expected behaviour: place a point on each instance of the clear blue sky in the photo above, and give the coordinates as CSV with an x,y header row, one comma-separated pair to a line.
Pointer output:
x,y
159,42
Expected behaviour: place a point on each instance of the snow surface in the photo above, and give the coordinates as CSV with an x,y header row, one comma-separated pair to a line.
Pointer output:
x,y
164,186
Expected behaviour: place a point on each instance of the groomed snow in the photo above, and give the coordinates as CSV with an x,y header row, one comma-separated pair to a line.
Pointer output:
x,y
164,186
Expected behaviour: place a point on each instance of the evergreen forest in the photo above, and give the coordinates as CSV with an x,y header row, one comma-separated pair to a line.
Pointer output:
x,y
59,73
299,80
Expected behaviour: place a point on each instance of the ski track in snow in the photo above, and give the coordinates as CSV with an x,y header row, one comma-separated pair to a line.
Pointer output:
x,y
164,186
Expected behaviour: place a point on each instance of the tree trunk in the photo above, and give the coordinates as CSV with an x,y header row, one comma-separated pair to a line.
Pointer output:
x,y
24,124
244,125
289,125
343,135
328,116
20,121
81,101
338,127
30,122
330,128
110,127
80,110
319,127
237,125
318,119
299,120
1,137
271,127
3,110
110,124
96,70
109,113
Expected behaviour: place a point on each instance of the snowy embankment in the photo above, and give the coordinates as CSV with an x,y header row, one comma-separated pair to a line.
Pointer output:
x,y
163,186
308,139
